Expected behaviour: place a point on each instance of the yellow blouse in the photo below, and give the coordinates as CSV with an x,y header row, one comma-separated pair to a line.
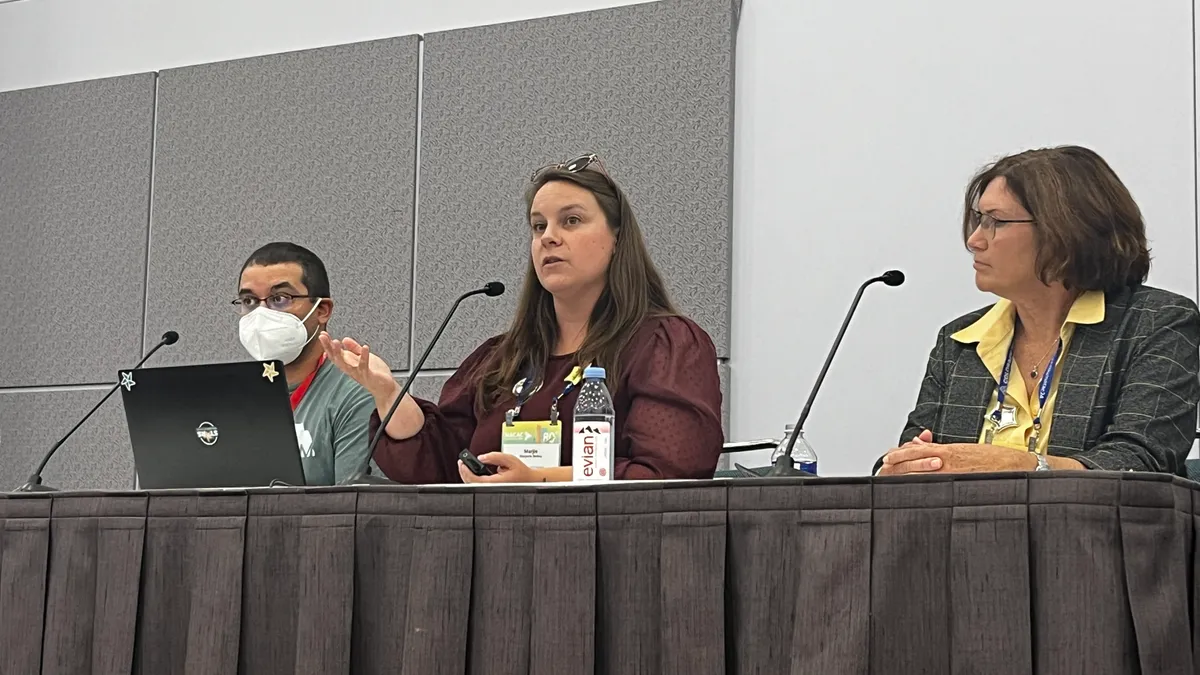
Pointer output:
x,y
993,333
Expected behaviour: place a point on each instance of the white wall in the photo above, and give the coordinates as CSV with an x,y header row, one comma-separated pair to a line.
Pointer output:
x,y
857,128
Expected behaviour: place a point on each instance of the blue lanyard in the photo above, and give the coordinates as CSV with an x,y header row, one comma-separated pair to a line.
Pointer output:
x,y
1043,386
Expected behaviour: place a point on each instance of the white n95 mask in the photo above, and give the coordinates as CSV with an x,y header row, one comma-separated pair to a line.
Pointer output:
x,y
268,334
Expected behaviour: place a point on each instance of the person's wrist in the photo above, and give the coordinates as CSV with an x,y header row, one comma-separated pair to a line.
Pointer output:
x,y
386,396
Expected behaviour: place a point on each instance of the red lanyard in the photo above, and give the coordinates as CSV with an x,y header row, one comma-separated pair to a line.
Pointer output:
x,y
303,388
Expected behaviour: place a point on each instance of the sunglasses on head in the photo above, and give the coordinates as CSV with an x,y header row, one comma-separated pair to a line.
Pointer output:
x,y
574,166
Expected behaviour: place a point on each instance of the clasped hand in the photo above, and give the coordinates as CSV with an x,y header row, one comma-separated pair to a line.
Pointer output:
x,y
922,455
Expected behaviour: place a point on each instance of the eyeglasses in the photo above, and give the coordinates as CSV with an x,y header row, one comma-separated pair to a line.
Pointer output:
x,y
989,224
574,166
279,302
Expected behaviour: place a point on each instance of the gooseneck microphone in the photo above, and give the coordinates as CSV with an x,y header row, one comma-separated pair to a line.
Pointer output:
x,y
784,466
491,289
34,484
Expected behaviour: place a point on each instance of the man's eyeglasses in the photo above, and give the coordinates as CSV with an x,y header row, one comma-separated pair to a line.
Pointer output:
x,y
279,302
989,224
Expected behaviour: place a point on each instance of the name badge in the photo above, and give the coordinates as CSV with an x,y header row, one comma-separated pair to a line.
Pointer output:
x,y
537,443
1008,417
1002,419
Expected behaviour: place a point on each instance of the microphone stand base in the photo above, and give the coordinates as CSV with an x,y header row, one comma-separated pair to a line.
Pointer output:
x,y
35,487
783,467
369,479
746,472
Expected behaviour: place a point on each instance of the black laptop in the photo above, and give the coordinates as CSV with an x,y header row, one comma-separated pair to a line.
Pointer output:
x,y
219,425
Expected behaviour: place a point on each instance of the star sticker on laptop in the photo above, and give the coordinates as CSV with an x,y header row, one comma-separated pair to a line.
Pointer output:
x,y
127,381
269,372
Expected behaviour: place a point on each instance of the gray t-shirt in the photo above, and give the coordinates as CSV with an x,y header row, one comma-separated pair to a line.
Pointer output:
x,y
332,423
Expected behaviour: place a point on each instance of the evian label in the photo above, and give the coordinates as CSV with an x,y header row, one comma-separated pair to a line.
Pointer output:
x,y
591,447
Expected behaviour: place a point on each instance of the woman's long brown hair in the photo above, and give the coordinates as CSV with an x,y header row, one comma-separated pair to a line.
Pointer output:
x,y
633,292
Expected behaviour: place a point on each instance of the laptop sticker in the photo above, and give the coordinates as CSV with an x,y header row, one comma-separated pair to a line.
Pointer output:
x,y
207,433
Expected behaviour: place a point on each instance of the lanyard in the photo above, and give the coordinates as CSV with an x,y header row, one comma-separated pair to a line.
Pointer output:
x,y
524,393
1043,392
300,391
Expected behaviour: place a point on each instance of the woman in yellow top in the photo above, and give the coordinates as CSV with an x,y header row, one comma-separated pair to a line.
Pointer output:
x,y
1079,365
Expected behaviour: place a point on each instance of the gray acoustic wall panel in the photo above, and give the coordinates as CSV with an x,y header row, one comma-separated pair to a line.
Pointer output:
x,y
428,387
723,371
648,87
74,198
97,457
316,147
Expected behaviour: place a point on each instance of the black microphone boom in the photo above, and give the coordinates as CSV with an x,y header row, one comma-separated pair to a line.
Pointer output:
x,y
34,484
784,466
492,289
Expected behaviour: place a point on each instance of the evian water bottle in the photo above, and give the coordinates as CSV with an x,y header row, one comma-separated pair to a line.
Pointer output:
x,y
592,432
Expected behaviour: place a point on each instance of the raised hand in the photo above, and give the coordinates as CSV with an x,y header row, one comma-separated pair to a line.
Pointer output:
x,y
361,365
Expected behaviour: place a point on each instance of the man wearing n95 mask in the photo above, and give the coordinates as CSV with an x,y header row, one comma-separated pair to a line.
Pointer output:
x,y
284,302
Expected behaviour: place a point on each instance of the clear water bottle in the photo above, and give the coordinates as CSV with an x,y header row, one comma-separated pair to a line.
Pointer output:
x,y
803,455
592,430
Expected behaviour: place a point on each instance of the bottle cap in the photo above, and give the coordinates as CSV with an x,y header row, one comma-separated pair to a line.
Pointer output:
x,y
593,373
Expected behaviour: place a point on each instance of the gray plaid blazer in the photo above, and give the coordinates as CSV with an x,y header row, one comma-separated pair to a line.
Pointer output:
x,y
1127,394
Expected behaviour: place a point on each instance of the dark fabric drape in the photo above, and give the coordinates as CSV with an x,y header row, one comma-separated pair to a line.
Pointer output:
x,y
661,598
502,584
24,562
534,588
989,578
1155,551
1081,620
692,567
561,637
910,593
1194,523
629,577
92,592
764,575
1046,573
798,578
413,561
833,616
191,592
298,586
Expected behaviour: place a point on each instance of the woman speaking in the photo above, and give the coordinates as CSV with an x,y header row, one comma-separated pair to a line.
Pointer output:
x,y
591,296
1079,365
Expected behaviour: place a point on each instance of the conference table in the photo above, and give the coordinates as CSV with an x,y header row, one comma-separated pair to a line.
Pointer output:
x,y
1050,572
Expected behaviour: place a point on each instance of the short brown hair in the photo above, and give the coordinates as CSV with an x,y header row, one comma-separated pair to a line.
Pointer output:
x,y
1089,231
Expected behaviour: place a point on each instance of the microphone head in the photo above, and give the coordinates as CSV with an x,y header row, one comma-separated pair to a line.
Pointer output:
x,y
170,337
893,277
493,288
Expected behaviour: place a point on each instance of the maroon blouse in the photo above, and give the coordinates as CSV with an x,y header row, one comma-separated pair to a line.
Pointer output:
x,y
667,401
